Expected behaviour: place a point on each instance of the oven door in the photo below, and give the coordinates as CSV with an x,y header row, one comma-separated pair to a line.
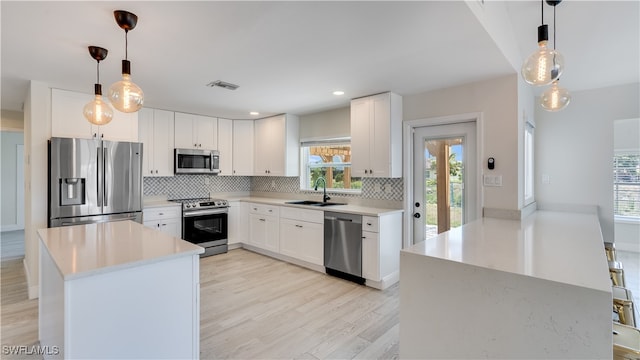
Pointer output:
x,y
205,227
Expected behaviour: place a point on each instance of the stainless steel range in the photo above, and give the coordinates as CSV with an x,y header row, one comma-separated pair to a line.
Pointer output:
x,y
204,223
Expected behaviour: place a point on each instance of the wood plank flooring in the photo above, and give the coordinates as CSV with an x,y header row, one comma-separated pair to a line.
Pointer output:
x,y
253,306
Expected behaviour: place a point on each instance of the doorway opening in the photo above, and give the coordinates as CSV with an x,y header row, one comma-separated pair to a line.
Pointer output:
x,y
441,157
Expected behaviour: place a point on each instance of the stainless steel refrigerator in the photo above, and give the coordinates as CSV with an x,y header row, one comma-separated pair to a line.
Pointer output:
x,y
93,181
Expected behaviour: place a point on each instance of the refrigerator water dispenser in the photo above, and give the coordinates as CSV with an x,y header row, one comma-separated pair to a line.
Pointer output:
x,y
72,191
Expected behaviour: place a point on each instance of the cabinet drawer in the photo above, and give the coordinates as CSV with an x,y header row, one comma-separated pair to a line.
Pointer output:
x,y
370,223
172,212
263,209
314,216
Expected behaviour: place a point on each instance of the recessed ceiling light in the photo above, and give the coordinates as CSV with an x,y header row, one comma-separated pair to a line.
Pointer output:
x,y
338,92
254,113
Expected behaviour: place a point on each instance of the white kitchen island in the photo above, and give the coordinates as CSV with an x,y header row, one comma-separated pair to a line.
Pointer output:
x,y
118,290
532,288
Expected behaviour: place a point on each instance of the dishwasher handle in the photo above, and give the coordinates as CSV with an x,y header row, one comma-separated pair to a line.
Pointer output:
x,y
351,218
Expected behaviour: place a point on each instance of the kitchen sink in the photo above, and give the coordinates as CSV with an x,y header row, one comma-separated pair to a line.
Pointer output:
x,y
313,203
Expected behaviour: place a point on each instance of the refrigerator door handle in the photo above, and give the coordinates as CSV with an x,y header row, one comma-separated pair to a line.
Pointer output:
x,y
104,170
100,175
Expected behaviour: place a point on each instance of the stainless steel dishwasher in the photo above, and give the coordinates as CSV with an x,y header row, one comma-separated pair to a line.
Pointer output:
x,y
343,245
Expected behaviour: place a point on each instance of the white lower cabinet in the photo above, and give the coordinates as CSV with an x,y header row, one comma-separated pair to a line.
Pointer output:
x,y
381,244
166,219
264,229
233,223
302,235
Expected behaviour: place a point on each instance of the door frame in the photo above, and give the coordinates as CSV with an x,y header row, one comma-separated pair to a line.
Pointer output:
x,y
408,128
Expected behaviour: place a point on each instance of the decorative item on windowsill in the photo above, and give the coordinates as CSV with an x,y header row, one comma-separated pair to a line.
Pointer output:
x,y
97,111
555,98
125,95
543,66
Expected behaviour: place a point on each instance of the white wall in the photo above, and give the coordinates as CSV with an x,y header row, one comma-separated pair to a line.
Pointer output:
x,y
9,141
497,100
37,131
574,147
327,124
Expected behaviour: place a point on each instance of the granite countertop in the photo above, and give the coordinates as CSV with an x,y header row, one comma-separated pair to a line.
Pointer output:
x,y
556,246
347,208
85,250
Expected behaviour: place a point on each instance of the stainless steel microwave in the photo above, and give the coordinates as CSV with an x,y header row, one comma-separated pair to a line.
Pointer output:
x,y
196,161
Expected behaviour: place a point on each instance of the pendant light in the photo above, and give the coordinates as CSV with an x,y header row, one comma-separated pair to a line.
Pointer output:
x,y
543,66
125,95
555,98
97,111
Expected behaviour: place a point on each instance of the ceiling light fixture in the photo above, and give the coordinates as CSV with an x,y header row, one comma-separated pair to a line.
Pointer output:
x,y
555,98
543,66
254,113
338,92
97,111
125,95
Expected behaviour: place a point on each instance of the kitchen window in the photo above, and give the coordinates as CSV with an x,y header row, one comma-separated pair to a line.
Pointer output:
x,y
331,159
626,186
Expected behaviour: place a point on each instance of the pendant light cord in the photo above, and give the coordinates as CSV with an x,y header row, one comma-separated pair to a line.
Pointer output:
x,y
541,12
98,72
554,27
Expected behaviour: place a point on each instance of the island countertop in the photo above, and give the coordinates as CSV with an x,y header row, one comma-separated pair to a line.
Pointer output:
x,y
84,250
556,246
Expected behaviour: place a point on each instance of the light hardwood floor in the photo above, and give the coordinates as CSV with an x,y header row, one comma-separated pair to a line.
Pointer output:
x,y
253,306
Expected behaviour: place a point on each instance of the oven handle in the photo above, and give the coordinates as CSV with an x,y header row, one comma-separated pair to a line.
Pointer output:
x,y
205,212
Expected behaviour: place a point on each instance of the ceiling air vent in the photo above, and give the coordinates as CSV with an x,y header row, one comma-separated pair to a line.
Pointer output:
x,y
222,84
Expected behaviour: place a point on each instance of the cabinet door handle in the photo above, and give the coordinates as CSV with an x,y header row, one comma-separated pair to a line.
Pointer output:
x,y
369,224
298,226
364,237
366,171
270,210
160,213
263,220
164,224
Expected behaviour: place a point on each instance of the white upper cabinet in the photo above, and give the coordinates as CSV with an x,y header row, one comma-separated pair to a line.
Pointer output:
x,y
225,146
156,133
277,146
376,136
243,147
68,121
196,132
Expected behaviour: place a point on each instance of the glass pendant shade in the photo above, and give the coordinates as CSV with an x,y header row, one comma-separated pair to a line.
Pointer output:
x,y
555,98
543,66
97,111
125,95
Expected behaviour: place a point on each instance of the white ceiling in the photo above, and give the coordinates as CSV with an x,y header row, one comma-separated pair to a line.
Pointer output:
x,y
290,56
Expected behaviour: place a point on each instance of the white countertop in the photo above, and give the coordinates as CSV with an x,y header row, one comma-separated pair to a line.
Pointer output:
x,y
557,246
347,208
156,202
84,250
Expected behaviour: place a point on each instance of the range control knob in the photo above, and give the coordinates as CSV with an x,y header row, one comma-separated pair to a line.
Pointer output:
x,y
187,206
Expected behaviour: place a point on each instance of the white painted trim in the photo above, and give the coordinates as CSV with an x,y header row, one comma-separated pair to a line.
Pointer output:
x,y
621,246
20,185
11,227
32,290
407,153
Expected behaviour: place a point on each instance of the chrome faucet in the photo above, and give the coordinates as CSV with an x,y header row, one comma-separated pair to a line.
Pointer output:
x,y
325,197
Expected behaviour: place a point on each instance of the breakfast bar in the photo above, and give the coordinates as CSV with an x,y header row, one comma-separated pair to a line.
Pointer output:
x,y
498,288
118,290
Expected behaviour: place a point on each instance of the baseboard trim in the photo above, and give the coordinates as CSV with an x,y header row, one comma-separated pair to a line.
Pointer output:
x,y
32,290
620,246
11,227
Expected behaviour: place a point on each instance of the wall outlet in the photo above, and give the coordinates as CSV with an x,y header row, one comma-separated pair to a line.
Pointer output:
x,y
377,188
273,184
546,179
207,181
492,180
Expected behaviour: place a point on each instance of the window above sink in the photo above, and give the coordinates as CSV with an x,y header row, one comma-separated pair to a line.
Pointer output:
x,y
331,159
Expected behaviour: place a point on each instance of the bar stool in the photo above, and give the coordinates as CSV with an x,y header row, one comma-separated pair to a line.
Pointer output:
x,y
626,342
623,305
610,250
616,273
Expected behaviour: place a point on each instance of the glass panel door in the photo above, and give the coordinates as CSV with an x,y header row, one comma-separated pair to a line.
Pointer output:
x,y
444,196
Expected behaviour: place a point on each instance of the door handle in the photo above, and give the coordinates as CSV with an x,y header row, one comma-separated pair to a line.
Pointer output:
x,y
416,215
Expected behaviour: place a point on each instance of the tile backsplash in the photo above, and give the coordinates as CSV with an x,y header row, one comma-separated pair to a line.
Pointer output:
x,y
193,186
